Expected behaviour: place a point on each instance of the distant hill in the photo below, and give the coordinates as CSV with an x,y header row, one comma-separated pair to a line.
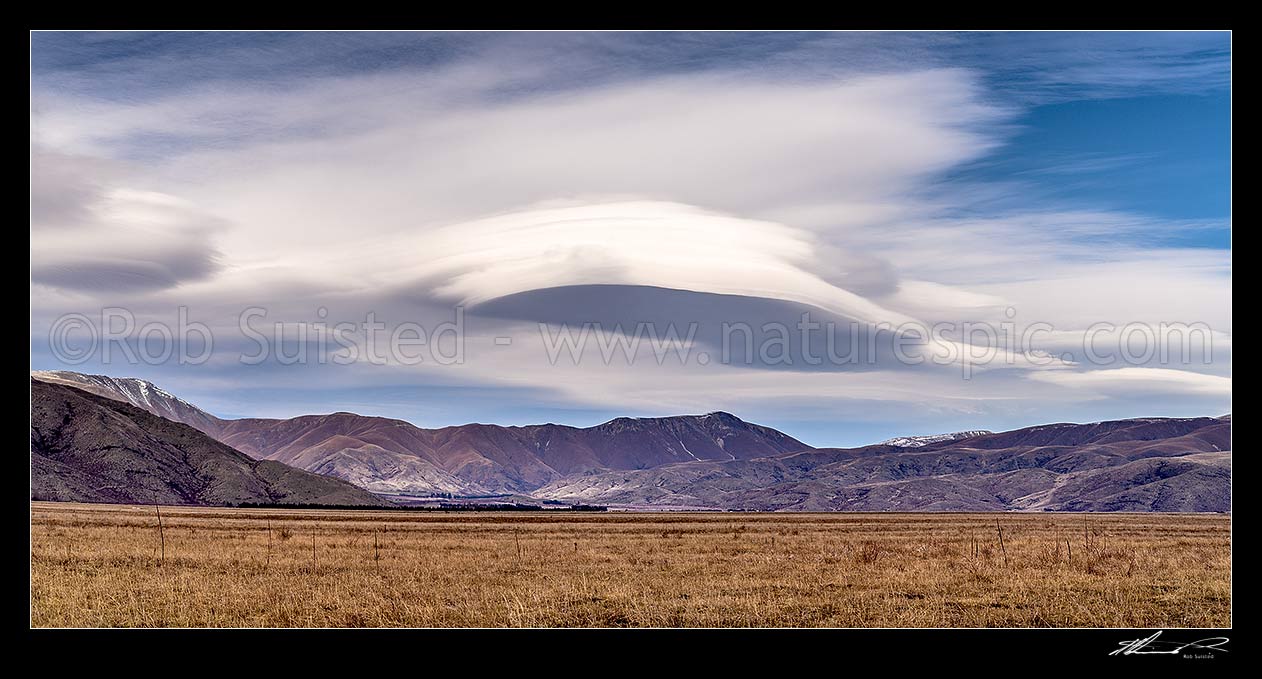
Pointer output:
x,y
1151,464
88,448
393,456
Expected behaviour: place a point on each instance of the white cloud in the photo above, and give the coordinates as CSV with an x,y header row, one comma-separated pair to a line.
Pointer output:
x,y
91,235
382,192
629,243
1127,381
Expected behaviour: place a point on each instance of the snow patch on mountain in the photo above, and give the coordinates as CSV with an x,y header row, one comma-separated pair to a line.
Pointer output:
x,y
918,441
137,392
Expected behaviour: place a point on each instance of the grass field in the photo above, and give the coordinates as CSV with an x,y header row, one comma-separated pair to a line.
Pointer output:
x,y
103,565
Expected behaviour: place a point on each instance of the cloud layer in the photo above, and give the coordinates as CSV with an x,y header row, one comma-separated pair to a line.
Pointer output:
x,y
806,172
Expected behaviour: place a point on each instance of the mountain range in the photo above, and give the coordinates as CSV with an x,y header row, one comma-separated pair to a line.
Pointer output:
x,y
719,461
1156,464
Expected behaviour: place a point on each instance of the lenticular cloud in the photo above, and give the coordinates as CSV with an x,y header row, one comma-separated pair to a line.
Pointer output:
x,y
662,244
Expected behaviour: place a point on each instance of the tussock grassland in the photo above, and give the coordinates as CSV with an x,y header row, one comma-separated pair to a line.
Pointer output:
x,y
103,565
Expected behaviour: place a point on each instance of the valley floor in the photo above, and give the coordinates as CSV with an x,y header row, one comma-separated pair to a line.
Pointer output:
x,y
103,565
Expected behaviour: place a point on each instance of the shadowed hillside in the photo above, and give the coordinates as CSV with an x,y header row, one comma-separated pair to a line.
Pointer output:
x,y
87,448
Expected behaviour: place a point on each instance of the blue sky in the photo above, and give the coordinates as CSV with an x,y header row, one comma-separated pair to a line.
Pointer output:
x,y
1164,155
1060,178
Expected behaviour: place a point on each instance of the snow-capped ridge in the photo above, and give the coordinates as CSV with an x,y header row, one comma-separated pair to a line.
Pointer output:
x,y
918,441
134,391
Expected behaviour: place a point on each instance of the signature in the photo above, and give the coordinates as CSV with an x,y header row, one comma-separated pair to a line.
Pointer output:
x,y
1151,646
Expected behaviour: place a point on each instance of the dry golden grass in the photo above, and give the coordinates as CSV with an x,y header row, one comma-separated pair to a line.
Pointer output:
x,y
101,565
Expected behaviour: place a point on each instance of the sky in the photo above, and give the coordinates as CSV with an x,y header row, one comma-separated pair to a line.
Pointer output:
x,y
498,191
